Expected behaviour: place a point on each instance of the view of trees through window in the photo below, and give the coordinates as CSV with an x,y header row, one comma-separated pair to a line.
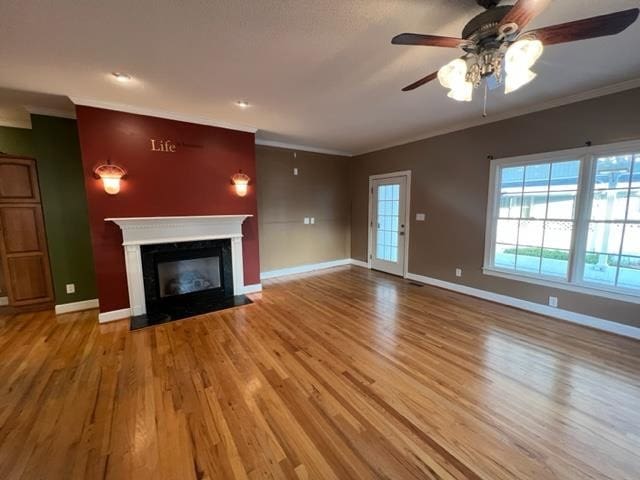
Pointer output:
x,y
538,229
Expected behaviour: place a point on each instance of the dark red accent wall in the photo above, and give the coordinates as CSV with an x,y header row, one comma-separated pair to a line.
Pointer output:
x,y
195,180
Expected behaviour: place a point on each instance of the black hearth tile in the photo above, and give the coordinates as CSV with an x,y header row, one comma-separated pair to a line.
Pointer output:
x,y
186,311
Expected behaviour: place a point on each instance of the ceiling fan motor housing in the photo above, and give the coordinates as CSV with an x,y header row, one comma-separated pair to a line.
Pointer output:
x,y
482,30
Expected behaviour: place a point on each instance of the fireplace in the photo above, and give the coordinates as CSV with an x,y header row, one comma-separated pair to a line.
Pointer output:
x,y
186,276
179,267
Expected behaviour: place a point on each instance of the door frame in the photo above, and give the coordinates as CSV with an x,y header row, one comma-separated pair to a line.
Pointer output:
x,y
407,214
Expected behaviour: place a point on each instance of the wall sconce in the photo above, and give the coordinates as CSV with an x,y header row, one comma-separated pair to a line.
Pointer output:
x,y
110,176
241,182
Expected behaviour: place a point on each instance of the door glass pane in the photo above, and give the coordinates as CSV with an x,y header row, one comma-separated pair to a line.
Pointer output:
x,y
388,222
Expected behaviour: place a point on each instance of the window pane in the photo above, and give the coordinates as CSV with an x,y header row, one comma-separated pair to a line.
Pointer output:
x,y
534,205
531,233
536,177
604,237
629,276
609,205
511,179
564,175
635,180
631,244
507,231
600,268
561,205
634,203
510,206
505,256
528,259
555,262
613,172
558,235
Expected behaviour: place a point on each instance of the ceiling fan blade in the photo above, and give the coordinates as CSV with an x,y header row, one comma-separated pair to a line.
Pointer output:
x,y
421,82
426,40
593,27
523,11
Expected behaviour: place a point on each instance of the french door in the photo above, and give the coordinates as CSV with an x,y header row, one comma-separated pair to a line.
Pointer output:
x,y
388,223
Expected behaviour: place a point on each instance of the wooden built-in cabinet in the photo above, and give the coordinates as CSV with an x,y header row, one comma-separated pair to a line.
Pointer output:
x,y
23,247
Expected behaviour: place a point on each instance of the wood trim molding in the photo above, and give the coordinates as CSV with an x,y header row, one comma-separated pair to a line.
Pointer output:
x,y
310,267
122,107
557,313
76,306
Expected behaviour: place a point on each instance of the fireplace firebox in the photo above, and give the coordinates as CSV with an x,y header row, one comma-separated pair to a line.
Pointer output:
x,y
183,279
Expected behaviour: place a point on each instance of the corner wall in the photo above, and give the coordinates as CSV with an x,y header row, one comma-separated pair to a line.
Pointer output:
x,y
320,190
450,182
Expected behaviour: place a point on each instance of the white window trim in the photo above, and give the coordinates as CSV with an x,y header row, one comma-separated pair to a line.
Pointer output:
x,y
583,214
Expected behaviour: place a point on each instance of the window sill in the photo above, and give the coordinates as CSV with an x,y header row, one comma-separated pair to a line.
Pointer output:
x,y
563,285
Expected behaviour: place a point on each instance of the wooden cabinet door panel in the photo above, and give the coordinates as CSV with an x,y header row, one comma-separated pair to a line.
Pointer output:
x,y
23,243
29,279
18,181
21,228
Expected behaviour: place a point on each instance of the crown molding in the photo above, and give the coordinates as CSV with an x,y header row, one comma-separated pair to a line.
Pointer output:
x,y
304,148
50,112
5,122
556,102
122,107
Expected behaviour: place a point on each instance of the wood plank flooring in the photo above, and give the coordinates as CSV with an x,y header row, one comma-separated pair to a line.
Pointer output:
x,y
341,374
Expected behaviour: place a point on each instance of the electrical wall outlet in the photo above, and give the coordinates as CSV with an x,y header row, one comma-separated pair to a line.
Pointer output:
x,y
420,217
306,220
458,272
313,220
71,288
553,301
295,171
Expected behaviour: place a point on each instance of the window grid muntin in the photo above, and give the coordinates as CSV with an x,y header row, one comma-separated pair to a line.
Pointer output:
x,y
521,191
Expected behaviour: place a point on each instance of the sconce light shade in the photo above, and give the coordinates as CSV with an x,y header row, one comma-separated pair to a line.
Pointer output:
x,y
241,183
110,176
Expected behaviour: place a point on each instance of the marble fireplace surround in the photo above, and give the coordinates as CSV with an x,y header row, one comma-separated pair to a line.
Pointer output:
x,y
137,231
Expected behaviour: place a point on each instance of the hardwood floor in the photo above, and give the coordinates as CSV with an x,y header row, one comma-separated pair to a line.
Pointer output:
x,y
342,374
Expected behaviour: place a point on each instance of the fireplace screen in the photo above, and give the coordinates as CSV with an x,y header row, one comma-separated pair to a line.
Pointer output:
x,y
186,276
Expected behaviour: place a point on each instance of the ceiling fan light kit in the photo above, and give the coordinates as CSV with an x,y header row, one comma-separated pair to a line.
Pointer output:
x,y
498,51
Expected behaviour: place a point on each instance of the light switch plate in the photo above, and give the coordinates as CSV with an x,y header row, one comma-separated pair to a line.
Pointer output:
x,y
313,220
420,217
71,288
306,220
295,171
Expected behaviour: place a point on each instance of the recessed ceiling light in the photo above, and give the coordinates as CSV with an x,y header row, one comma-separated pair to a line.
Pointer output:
x,y
242,104
121,77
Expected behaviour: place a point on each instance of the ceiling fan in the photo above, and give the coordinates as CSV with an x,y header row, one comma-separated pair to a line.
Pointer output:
x,y
495,45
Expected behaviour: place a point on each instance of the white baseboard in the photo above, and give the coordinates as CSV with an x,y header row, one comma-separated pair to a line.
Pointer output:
x,y
255,288
76,306
358,263
4,301
304,268
567,315
113,315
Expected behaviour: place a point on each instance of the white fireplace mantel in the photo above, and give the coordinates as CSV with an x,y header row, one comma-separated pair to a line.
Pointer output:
x,y
137,231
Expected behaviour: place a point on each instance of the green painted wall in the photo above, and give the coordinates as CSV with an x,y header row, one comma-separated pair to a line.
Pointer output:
x,y
16,141
57,151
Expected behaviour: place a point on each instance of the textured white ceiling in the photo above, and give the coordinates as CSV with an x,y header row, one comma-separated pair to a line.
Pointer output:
x,y
317,72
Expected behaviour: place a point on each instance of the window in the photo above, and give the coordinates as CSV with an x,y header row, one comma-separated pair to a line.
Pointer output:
x,y
570,219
